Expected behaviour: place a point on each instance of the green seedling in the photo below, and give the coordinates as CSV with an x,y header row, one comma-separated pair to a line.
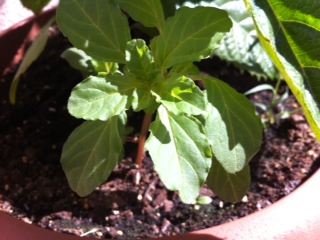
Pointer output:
x,y
31,55
192,136
273,112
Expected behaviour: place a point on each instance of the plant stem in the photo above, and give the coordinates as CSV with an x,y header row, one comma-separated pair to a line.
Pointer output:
x,y
131,139
142,138
276,89
275,93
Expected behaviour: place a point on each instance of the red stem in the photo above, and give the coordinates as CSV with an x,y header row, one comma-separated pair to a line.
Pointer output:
x,y
142,139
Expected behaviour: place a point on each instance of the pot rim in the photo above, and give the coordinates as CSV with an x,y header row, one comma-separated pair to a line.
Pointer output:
x,y
23,33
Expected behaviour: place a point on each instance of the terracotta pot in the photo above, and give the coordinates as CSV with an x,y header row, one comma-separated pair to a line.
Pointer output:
x,y
15,40
296,216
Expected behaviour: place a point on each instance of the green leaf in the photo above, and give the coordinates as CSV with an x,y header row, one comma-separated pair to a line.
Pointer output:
x,y
140,65
31,55
229,187
78,59
186,69
169,7
234,130
241,45
204,200
152,106
91,153
106,67
141,99
140,61
191,35
259,88
180,151
97,99
97,27
290,32
147,12
179,95
35,6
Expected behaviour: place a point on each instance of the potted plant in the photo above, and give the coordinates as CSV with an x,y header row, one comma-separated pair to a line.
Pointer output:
x,y
174,106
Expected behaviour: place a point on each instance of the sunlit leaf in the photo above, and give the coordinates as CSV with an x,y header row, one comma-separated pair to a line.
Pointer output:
x,y
233,128
97,99
78,59
180,152
190,35
241,45
261,87
140,62
180,95
290,32
141,99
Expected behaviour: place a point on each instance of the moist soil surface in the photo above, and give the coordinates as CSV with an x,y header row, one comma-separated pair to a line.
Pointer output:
x,y
34,188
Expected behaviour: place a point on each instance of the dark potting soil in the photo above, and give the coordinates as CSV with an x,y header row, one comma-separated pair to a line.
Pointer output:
x,y
34,188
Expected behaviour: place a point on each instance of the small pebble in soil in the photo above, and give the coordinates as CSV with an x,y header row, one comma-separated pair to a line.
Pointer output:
x,y
244,199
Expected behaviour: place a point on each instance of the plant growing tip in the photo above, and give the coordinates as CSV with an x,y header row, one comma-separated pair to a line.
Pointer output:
x,y
197,136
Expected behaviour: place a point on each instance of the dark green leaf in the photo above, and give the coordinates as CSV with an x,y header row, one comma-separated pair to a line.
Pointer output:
x,y
148,12
169,7
97,27
186,69
229,187
35,6
91,153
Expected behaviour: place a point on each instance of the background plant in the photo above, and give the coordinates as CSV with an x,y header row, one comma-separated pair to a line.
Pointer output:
x,y
274,111
35,48
196,135
241,46
290,31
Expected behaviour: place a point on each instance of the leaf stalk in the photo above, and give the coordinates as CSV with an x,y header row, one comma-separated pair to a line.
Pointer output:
x,y
142,139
